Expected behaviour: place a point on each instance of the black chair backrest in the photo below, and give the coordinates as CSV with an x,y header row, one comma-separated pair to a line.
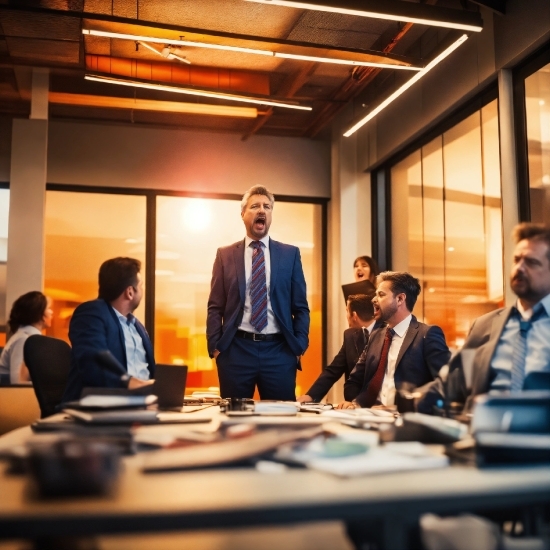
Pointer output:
x,y
49,361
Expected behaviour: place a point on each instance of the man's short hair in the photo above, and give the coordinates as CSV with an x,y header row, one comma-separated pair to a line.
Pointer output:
x,y
402,283
533,232
257,190
116,275
362,305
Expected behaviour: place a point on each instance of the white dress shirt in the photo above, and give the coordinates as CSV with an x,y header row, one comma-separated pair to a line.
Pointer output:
x,y
12,355
136,358
387,391
272,326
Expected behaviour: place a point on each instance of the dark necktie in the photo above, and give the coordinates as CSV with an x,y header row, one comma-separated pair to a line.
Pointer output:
x,y
258,288
375,385
520,348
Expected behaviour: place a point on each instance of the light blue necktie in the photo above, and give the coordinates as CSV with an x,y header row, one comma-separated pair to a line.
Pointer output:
x,y
520,348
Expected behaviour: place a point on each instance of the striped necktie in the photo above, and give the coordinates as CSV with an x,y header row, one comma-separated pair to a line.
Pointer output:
x,y
375,385
258,288
520,348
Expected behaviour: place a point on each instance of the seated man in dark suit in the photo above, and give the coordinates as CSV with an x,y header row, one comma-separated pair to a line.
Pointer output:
x,y
505,345
107,323
360,314
404,355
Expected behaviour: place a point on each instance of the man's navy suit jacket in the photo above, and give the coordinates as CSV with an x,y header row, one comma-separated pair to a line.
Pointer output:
x,y
95,327
423,352
287,291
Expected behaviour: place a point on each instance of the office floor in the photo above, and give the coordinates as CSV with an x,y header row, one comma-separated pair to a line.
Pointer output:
x,y
321,536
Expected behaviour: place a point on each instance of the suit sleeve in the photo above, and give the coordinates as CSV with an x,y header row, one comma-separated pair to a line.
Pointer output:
x,y
216,305
329,376
299,305
436,351
88,335
354,384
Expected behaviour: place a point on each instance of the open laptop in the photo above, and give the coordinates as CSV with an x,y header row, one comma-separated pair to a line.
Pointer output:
x,y
169,386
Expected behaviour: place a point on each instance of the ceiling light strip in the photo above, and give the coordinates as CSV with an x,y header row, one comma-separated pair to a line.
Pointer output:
x,y
407,85
190,91
345,61
375,14
189,43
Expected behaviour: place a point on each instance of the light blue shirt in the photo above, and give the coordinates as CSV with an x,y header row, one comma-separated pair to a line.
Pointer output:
x,y
12,355
538,346
136,358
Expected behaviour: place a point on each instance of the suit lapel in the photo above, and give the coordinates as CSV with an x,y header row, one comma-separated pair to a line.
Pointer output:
x,y
274,261
359,340
408,340
238,258
120,332
374,351
482,361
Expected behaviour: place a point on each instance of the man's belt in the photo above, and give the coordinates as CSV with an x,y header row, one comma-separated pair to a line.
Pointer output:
x,y
260,337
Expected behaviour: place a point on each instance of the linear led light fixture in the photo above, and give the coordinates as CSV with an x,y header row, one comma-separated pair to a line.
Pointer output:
x,y
239,49
197,92
407,85
390,11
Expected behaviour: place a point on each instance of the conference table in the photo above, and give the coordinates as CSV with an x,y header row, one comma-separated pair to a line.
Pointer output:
x,y
245,497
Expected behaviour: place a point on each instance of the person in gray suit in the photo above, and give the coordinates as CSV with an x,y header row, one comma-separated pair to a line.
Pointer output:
x,y
505,345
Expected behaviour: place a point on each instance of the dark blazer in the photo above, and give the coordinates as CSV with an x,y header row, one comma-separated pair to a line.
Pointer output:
x,y
342,364
422,354
483,338
95,327
287,291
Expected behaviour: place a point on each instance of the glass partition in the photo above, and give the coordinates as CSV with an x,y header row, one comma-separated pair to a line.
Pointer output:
x,y
448,231
537,108
82,230
4,210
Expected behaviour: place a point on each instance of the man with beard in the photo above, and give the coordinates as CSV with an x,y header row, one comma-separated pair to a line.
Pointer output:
x,y
258,316
403,355
108,323
506,345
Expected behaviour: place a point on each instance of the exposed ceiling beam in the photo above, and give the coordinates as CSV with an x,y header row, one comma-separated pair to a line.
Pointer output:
x,y
111,102
173,34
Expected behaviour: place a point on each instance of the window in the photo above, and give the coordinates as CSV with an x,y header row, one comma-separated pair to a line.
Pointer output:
x,y
537,110
4,210
82,230
446,223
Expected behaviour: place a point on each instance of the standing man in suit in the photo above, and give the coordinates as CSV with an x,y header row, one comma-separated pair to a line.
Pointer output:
x,y
107,323
507,344
258,316
403,355
360,315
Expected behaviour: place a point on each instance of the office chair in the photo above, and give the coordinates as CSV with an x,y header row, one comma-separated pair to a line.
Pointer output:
x,y
49,361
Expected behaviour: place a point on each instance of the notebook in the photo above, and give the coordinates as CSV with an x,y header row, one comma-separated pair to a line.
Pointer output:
x,y
169,386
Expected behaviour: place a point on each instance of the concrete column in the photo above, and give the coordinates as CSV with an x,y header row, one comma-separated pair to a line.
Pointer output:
x,y
349,236
510,207
25,268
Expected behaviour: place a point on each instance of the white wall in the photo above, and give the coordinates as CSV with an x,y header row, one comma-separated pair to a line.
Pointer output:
x,y
111,155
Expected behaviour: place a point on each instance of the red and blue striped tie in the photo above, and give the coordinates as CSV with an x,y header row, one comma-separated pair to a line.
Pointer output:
x,y
258,288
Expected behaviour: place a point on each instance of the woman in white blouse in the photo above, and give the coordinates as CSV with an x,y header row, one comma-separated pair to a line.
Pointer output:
x,y
30,314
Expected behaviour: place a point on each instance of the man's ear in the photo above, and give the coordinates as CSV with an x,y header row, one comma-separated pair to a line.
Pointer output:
x,y
129,292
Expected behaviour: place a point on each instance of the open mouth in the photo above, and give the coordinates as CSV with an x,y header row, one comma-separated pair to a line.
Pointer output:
x,y
360,274
259,222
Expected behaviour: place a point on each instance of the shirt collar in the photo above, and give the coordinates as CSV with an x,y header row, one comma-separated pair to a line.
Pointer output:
x,y
128,320
265,241
29,329
401,328
370,327
527,313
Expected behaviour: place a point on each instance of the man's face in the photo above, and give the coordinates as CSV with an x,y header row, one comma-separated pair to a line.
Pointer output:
x,y
138,293
257,216
530,277
385,302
